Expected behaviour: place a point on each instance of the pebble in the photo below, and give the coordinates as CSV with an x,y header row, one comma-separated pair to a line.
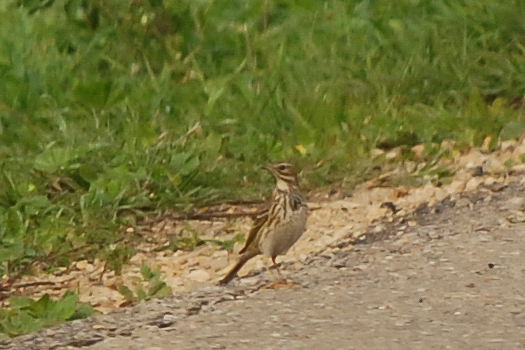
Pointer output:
x,y
199,275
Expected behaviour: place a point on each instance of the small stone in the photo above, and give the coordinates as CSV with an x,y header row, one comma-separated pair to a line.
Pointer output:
x,y
378,229
519,168
138,259
497,340
489,181
82,264
170,317
84,339
516,217
125,332
473,183
199,275
394,153
361,267
494,166
220,253
376,152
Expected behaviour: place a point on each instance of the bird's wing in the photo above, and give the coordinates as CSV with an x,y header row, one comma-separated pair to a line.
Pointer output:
x,y
259,221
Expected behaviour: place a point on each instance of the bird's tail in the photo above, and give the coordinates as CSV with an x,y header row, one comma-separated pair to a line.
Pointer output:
x,y
244,258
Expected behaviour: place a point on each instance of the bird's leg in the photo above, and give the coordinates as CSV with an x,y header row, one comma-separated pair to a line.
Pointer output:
x,y
276,282
281,282
281,278
269,269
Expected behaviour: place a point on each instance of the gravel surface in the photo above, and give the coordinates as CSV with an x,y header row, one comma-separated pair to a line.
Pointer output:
x,y
446,277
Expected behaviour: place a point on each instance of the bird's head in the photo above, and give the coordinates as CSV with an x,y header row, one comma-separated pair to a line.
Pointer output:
x,y
284,174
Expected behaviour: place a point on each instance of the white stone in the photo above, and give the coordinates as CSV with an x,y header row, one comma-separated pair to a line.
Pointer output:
x,y
199,275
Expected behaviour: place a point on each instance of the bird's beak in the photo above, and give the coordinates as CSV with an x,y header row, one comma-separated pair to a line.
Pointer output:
x,y
271,170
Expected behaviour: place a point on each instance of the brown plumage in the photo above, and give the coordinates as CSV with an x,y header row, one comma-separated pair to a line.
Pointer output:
x,y
278,227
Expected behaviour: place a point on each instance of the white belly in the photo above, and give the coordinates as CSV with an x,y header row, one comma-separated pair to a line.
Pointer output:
x,y
285,234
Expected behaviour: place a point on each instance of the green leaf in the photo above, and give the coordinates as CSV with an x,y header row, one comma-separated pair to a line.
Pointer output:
x,y
192,163
12,251
52,159
27,315
66,306
20,323
40,308
214,89
142,294
34,5
34,204
75,10
89,172
512,130
184,163
127,293
20,302
93,93
82,311
146,272
159,290
15,225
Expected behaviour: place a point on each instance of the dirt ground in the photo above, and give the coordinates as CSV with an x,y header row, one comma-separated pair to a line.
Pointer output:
x,y
448,276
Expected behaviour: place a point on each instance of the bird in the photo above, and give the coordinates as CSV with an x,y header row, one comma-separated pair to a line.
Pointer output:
x,y
279,225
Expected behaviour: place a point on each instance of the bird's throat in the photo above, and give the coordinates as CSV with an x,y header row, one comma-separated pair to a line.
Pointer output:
x,y
282,186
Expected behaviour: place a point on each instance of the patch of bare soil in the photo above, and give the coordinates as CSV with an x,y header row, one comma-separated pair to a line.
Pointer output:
x,y
447,274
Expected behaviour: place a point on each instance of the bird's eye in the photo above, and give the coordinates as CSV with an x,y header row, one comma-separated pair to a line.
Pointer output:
x,y
282,167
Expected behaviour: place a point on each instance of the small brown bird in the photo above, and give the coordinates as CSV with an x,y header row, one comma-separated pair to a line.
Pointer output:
x,y
280,225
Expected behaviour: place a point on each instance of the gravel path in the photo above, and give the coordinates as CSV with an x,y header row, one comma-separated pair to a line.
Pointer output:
x,y
447,277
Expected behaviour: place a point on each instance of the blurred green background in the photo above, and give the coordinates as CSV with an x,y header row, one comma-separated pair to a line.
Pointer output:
x,y
111,110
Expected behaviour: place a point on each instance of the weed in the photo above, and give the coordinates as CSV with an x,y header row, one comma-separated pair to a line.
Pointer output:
x,y
156,287
27,315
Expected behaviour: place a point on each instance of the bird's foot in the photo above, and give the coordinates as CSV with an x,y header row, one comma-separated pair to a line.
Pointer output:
x,y
282,284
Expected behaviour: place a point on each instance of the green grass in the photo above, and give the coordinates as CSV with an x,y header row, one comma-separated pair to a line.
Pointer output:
x,y
27,315
113,110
